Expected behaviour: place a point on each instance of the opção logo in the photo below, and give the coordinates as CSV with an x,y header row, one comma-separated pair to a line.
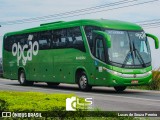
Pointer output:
x,y
18,50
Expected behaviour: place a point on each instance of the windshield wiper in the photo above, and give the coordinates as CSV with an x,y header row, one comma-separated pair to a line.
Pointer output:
x,y
139,56
126,58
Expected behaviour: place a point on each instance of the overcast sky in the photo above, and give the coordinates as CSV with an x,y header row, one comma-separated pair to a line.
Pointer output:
x,y
23,9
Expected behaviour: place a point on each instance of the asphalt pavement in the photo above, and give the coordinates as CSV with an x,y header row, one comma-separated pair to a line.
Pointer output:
x,y
104,98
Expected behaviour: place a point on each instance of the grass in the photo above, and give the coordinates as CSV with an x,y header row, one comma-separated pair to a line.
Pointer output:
x,y
155,85
32,101
54,104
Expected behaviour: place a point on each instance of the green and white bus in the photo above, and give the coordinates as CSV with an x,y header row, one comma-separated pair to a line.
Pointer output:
x,y
84,52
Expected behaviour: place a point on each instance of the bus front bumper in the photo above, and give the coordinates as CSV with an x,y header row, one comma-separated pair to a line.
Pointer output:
x,y
130,79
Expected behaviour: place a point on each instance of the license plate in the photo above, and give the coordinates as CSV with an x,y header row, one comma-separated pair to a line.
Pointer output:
x,y
134,81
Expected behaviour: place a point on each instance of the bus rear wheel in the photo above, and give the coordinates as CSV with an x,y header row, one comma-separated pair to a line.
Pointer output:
x,y
22,79
51,84
83,82
120,88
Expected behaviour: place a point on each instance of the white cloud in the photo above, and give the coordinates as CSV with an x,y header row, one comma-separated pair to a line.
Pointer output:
x,y
34,8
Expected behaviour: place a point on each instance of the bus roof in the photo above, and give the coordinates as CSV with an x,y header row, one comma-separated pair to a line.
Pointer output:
x,y
110,24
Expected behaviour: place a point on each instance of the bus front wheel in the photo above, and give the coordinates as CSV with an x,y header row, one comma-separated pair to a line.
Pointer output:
x,y
22,79
120,88
83,82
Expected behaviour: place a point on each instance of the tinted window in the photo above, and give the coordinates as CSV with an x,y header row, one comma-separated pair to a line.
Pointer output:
x,y
44,40
74,38
21,39
67,38
8,42
99,49
59,39
88,31
53,39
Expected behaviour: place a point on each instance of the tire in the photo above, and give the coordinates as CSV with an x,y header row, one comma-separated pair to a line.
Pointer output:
x,y
120,88
51,84
22,79
83,82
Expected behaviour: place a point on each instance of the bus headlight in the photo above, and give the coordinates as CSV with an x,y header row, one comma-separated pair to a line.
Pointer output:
x,y
114,72
150,72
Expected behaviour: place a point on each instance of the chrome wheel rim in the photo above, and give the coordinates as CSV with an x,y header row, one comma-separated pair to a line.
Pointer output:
x,y
83,82
22,78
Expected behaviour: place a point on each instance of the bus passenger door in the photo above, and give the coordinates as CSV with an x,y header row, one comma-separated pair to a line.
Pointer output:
x,y
99,52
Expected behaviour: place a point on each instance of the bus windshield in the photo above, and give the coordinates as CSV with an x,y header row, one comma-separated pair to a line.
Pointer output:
x,y
128,48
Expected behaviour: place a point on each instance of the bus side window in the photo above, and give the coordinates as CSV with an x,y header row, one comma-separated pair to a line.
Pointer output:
x,y
44,40
6,42
70,37
58,39
74,36
67,38
22,39
54,40
88,31
31,37
62,43
99,49
10,42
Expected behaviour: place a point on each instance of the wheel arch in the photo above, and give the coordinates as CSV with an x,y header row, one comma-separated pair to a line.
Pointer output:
x,y
20,69
25,82
78,71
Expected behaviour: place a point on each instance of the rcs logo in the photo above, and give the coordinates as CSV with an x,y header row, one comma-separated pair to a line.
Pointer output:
x,y
73,103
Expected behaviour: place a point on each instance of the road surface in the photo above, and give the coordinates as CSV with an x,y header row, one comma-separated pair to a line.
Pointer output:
x,y
104,98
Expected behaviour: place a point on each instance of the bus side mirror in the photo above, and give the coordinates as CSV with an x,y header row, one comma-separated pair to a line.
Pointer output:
x,y
156,41
105,36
